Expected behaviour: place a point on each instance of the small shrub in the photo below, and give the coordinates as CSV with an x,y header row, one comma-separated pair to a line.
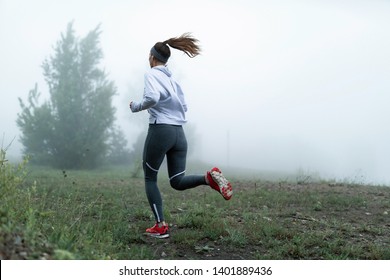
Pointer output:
x,y
18,235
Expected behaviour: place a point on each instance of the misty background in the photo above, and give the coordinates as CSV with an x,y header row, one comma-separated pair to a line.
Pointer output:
x,y
280,85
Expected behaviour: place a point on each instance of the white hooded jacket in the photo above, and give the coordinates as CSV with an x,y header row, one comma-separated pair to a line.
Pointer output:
x,y
163,98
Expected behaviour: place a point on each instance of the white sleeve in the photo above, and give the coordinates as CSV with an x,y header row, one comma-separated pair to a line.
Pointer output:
x,y
150,97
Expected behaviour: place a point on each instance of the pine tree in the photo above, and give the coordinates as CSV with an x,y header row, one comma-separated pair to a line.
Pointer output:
x,y
72,129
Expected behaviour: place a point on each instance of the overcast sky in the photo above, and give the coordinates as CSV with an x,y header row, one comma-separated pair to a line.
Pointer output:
x,y
281,85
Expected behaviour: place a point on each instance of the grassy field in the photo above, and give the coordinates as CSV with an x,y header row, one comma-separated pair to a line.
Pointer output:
x,y
103,214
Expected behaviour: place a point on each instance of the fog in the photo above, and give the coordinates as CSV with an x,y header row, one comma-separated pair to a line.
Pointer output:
x,y
280,85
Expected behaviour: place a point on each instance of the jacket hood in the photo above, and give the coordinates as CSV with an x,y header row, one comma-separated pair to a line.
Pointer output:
x,y
163,69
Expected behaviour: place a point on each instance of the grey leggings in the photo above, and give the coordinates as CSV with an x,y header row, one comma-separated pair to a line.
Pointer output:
x,y
169,140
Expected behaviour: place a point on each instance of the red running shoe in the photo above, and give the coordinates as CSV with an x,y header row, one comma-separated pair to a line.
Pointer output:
x,y
219,183
158,232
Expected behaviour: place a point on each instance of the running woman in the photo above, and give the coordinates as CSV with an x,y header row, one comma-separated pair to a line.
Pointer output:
x,y
163,98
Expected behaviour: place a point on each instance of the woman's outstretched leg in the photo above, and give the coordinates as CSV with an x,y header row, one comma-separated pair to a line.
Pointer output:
x,y
177,157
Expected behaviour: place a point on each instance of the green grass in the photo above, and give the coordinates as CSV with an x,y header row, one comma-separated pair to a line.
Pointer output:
x,y
102,214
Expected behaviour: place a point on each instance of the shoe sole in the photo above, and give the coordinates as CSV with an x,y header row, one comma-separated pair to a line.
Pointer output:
x,y
225,188
156,235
